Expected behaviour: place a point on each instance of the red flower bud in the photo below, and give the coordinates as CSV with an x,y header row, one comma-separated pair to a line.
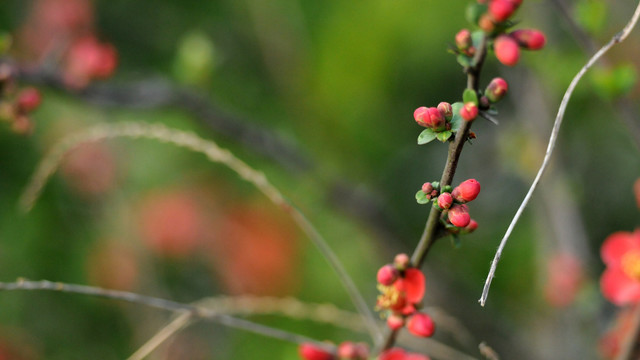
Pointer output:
x,y
446,110
421,114
352,351
312,352
400,354
421,324
445,200
473,225
427,188
496,89
387,275
507,50
467,191
469,111
402,261
29,99
435,119
463,39
395,322
501,10
529,39
486,23
459,215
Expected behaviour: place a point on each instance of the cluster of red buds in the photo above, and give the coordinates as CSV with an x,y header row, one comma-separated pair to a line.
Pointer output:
x,y
452,203
493,19
346,351
17,105
443,121
402,288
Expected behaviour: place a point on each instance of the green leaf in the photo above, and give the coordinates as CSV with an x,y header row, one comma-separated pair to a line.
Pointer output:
x,y
421,198
592,15
469,95
456,120
463,60
476,38
444,135
426,136
613,83
474,11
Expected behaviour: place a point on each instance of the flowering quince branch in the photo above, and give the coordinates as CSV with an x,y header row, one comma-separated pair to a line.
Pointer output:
x,y
195,311
188,140
619,37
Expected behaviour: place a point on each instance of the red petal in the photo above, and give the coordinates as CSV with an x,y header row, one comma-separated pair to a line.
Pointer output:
x,y
617,244
618,288
393,354
413,285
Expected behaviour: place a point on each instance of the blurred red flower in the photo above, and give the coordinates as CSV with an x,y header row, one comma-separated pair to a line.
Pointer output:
x,y
620,282
404,294
564,280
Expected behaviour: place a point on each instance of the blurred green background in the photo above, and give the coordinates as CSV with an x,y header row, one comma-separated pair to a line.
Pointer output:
x,y
332,86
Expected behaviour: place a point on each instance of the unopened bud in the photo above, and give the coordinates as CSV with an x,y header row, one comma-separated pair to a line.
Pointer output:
x,y
312,352
463,39
501,10
459,215
469,111
529,39
445,200
496,89
486,23
473,225
446,110
351,351
387,275
427,188
507,50
395,322
402,262
421,324
467,191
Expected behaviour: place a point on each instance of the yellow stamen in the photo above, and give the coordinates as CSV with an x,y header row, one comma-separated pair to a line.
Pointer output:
x,y
631,264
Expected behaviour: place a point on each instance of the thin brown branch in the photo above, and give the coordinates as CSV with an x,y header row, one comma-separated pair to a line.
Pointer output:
x,y
619,37
163,304
430,233
629,348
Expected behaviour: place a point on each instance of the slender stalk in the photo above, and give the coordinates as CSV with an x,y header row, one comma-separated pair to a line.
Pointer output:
x,y
617,38
629,345
431,233
159,132
163,304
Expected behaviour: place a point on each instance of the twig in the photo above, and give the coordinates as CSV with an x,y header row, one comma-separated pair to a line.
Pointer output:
x,y
430,233
161,336
163,304
619,37
159,132
487,351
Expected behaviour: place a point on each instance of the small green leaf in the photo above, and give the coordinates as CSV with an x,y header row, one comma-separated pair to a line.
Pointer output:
x,y
592,15
613,83
476,38
463,60
456,120
444,135
469,95
421,198
426,136
474,11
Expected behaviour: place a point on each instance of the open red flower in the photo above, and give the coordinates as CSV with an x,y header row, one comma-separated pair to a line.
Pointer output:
x,y
620,282
402,296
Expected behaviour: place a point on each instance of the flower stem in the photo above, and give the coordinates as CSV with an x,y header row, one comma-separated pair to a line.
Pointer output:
x,y
431,233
